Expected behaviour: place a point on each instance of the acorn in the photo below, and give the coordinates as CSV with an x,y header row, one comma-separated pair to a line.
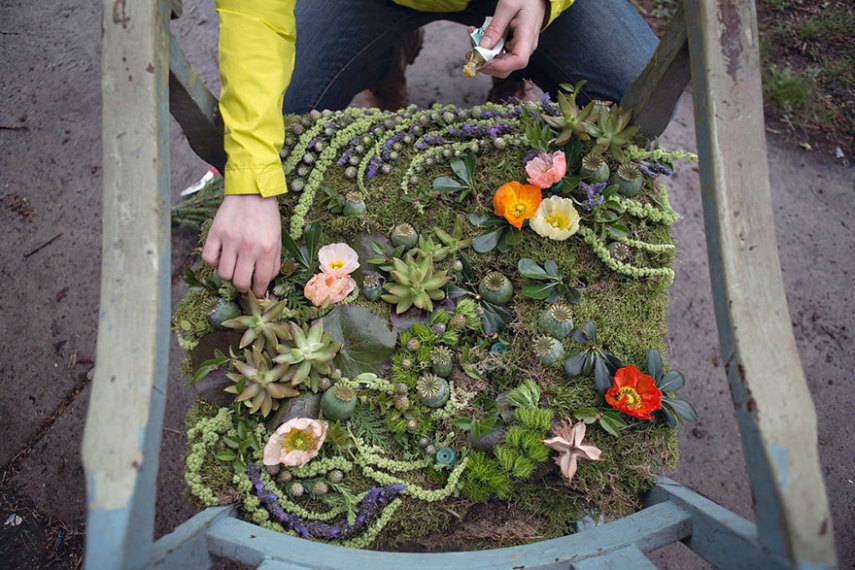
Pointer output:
x,y
320,488
354,204
335,476
433,391
594,168
372,284
628,178
404,235
222,311
338,402
297,185
496,288
548,350
350,172
285,476
296,489
557,320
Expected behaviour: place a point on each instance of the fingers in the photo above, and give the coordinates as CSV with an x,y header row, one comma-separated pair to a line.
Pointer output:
x,y
496,29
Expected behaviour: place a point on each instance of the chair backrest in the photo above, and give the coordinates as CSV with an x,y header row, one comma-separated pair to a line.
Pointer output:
x,y
122,436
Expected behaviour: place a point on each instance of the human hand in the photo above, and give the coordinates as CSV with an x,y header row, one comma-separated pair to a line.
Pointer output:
x,y
245,242
523,18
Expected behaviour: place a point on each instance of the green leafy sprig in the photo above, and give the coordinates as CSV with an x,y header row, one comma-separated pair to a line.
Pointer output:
x,y
551,285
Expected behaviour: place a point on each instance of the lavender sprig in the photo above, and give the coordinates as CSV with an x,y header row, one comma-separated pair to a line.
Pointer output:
x,y
318,529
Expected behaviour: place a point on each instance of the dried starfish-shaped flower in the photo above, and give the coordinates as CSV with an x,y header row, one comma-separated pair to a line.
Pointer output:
x,y
571,447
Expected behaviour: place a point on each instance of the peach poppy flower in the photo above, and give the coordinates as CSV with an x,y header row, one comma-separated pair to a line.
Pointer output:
x,y
323,286
569,442
295,443
516,202
546,169
338,259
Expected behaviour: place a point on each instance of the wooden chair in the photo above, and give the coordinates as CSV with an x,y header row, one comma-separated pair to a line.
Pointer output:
x,y
144,73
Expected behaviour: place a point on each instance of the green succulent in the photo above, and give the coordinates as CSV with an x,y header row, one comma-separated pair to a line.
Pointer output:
x,y
260,383
414,282
260,325
573,120
612,132
453,242
311,349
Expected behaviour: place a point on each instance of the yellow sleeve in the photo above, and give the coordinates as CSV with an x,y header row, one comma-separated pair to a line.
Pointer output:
x,y
256,51
555,9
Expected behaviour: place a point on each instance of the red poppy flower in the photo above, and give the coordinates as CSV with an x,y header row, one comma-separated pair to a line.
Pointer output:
x,y
516,202
634,393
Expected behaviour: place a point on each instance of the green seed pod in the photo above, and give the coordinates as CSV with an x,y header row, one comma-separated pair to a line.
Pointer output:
x,y
406,363
297,185
335,476
401,388
433,391
441,359
496,288
386,168
423,442
438,329
272,469
338,402
354,204
296,489
430,449
320,488
500,143
413,344
324,383
222,311
594,168
412,425
285,476
548,350
628,178
557,320
457,321
402,403
620,251
350,172
359,149
372,285
404,235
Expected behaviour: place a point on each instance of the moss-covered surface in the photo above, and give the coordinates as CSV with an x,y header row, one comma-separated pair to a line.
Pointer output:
x,y
389,440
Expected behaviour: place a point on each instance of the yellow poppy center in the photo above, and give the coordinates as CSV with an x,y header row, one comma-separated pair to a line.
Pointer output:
x,y
519,209
337,264
629,397
298,440
557,221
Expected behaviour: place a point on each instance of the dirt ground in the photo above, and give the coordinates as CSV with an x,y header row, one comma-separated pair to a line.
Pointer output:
x,y
50,204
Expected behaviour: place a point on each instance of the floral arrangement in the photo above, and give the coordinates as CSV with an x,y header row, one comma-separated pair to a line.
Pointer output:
x,y
464,294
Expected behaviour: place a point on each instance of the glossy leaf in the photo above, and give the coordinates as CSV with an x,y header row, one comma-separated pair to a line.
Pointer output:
x,y
654,364
573,364
671,382
494,318
531,269
487,241
579,336
446,184
590,330
681,408
602,378
537,290
367,342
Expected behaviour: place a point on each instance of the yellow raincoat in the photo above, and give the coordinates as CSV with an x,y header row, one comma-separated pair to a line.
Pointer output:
x,y
256,51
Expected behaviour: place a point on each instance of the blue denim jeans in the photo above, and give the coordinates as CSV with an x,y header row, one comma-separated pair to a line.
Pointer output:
x,y
346,46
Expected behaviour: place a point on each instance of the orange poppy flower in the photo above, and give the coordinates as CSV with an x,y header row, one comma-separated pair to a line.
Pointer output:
x,y
634,393
516,202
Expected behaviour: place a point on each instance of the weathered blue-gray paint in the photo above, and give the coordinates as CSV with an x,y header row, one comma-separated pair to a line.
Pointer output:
x,y
621,559
781,457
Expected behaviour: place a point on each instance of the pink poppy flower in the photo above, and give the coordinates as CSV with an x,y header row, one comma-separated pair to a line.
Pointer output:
x,y
295,443
323,286
546,169
338,259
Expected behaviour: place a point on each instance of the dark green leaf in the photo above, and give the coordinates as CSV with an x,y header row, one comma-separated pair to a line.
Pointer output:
x,y
463,423
609,425
231,441
367,342
589,415
654,364
613,362
573,296
590,330
494,318
243,446
202,372
487,241
610,191
552,269
618,231
241,430
226,456
510,237
480,219
602,378
682,409
571,183
531,269
605,216
378,248
312,235
671,382
455,292
459,168
573,364
446,184
588,366
538,290
579,336
668,415
291,247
